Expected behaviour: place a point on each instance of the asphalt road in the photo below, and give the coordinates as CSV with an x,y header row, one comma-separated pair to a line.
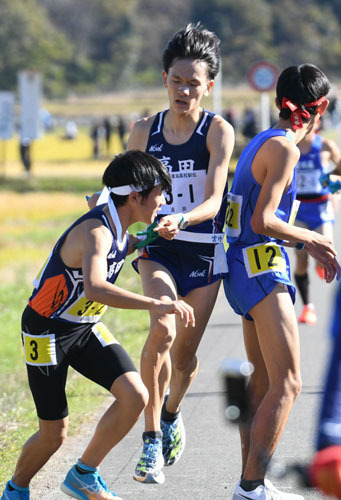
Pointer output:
x,y
210,465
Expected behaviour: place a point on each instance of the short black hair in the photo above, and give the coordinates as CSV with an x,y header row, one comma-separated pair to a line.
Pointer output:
x,y
193,42
136,168
301,84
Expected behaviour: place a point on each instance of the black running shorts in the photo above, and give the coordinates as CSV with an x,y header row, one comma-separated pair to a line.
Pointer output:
x,y
51,346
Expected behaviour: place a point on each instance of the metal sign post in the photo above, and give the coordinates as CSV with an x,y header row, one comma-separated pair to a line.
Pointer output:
x,y
29,93
217,93
6,123
263,77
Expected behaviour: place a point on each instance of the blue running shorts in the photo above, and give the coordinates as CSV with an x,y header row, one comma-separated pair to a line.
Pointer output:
x,y
314,213
250,281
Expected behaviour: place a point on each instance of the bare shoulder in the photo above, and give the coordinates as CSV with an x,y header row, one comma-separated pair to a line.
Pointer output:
x,y
221,133
277,156
91,229
220,124
281,145
139,134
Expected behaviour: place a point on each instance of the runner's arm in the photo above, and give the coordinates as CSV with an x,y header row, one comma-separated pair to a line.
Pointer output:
x,y
276,179
138,137
335,155
96,244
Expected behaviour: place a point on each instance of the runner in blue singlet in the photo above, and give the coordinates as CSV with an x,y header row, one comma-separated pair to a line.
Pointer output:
x,y
195,146
316,209
61,326
258,286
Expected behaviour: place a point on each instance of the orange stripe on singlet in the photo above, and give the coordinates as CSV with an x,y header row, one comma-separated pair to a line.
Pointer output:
x,y
51,296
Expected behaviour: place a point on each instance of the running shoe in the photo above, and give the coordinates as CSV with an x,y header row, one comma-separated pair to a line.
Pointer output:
x,y
263,493
320,271
148,468
15,494
308,315
281,494
89,486
174,439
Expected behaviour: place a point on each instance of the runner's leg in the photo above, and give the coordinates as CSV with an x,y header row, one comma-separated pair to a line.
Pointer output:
x,y
185,364
155,358
38,449
278,339
130,399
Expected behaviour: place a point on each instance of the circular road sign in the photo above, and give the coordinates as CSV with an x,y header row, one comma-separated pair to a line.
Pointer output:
x,y
263,76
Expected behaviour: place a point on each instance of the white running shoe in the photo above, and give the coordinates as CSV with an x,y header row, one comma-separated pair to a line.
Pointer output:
x,y
283,495
266,492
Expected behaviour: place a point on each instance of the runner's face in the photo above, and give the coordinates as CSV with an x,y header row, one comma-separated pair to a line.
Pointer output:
x,y
152,205
187,82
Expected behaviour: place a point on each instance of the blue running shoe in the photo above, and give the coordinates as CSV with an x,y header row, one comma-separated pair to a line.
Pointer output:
x,y
89,486
174,439
148,468
15,493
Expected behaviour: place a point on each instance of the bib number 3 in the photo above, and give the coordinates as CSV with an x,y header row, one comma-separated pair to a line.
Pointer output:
x,y
40,350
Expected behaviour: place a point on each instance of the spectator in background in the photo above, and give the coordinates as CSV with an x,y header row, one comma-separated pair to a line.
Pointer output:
x,y
107,127
25,154
230,117
249,128
71,130
95,134
122,130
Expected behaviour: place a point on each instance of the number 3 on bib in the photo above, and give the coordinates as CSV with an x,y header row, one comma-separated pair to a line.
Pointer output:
x,y
233,212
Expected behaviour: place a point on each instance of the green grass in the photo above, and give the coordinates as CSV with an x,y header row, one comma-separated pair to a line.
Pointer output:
x,y
31,219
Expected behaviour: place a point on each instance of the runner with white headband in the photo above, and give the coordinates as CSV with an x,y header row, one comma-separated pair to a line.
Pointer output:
x,y
61,327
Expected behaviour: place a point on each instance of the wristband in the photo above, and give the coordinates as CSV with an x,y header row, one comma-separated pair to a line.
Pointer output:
x,y
183,223
180,219
299,245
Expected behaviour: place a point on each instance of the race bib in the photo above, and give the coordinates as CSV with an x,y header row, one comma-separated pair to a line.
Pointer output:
x,y
40,350
309,182
188,191
103,334
294,211
84,311
264,258
233,213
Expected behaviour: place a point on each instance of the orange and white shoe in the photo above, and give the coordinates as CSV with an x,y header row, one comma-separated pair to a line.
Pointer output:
x,y
308,315
320,271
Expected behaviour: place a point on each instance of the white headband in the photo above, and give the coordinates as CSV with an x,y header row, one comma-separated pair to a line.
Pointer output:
x,y
128,188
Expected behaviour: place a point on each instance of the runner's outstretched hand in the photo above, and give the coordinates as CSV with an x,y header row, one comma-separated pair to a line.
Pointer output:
x,y
321,249
179,307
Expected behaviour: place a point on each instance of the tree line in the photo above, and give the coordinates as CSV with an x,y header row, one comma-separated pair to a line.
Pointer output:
x,y
106,45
